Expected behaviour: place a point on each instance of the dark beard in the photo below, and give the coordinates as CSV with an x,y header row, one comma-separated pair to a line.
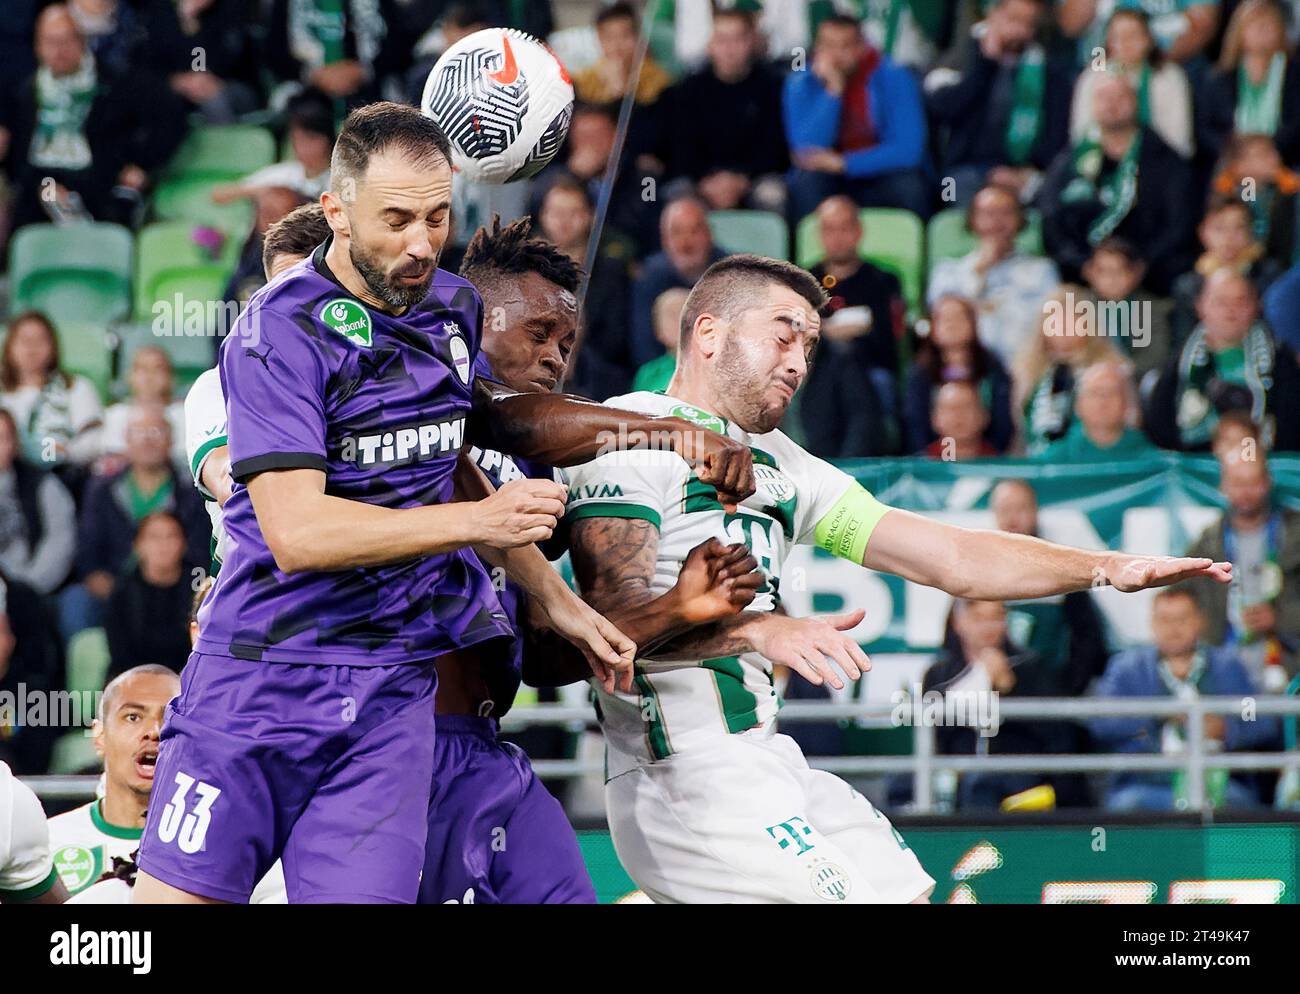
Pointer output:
x,y
742,390
396,297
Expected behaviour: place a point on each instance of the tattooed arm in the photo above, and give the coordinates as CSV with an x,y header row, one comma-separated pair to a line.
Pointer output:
x,y
614,564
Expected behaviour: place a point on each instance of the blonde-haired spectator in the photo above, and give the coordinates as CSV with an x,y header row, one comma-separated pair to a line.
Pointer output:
x,y
667,313
1046,371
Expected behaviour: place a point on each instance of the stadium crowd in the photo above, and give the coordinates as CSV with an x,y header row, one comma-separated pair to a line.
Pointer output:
x,y
1059,229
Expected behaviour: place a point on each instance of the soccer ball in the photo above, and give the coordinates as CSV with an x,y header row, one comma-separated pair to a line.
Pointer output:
x,y
504,101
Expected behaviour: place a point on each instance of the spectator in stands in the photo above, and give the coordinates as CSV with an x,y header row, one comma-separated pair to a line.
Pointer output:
x,y
1255,88
1066,632
59,415
310,121
38,520
1126,313
344,48
607,82
979,661
1228,236
959,421
270,204
658,373
1282,308
952,352
1005,107
688,250
149,610
423,16
1180,665
855,123
720,136
151,380
1105,409
225,83
1164,95
98,134
30,660
861,326
1007,286
1258,614
1124,181
1045,373
585,159
602,366
1252,171
1182,28
1229,363
1236,437
112,510
116,32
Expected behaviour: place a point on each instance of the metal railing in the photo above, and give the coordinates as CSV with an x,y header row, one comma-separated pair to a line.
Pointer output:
x,y
925,762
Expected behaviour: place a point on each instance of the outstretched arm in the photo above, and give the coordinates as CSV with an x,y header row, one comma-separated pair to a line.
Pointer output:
x,y
561,430
997,566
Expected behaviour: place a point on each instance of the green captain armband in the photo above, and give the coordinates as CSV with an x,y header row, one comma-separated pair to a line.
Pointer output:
x,y
846,527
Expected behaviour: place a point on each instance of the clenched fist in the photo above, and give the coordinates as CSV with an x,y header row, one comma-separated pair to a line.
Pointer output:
x,y
520,513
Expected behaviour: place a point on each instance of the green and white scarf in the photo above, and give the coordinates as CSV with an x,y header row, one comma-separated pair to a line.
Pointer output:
x,y
1259,105
1026,118
1174,736
50,421
1116,193
1197,367
317,29
62,107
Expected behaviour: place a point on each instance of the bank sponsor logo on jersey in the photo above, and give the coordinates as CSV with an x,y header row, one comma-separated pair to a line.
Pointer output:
x,y
404,445
349,319
773,483
459,350
77,867
696,416
830,882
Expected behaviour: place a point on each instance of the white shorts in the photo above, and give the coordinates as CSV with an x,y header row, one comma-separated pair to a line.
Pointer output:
x,y
746,820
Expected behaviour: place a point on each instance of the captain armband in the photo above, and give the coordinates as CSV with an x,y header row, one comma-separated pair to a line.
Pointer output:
x,y
846,527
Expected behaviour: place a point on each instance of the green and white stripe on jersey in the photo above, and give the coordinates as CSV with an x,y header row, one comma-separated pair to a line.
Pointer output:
x,y
679,703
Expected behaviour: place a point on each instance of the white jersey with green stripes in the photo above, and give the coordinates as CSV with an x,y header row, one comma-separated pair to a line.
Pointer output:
x,y
205,430
680,704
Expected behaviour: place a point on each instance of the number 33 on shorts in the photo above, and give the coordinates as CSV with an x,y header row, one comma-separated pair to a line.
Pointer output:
x,y
188,828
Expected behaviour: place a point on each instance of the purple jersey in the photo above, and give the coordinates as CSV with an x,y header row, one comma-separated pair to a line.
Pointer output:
x,y
379,404
503,675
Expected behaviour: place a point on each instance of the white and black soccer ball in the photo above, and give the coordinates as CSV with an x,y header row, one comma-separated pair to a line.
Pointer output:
x,y
505,102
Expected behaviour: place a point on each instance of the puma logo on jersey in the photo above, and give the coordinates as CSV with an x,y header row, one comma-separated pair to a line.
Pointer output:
x,y
404,445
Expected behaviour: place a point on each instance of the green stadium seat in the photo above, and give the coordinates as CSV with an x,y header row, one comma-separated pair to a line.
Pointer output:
x,y
79,272
760,232
891,238
165,247
190,354
223,151
74,752
88,661
86,348
947,237
210,156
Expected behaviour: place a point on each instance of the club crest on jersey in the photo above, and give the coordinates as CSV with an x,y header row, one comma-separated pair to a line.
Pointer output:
x,y
773,483
349,319
830,882
459,350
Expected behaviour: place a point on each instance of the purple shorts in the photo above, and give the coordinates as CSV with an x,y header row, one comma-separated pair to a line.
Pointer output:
x,y
325,767
496,835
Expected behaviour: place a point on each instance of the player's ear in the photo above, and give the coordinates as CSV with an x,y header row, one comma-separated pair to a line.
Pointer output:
x,y
97,737
707,333
336,215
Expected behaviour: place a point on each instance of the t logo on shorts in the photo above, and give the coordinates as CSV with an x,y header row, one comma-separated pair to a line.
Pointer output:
x,y
793,833
188,830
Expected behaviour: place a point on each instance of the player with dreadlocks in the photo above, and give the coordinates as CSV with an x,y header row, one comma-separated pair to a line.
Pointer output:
x,y
495,834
